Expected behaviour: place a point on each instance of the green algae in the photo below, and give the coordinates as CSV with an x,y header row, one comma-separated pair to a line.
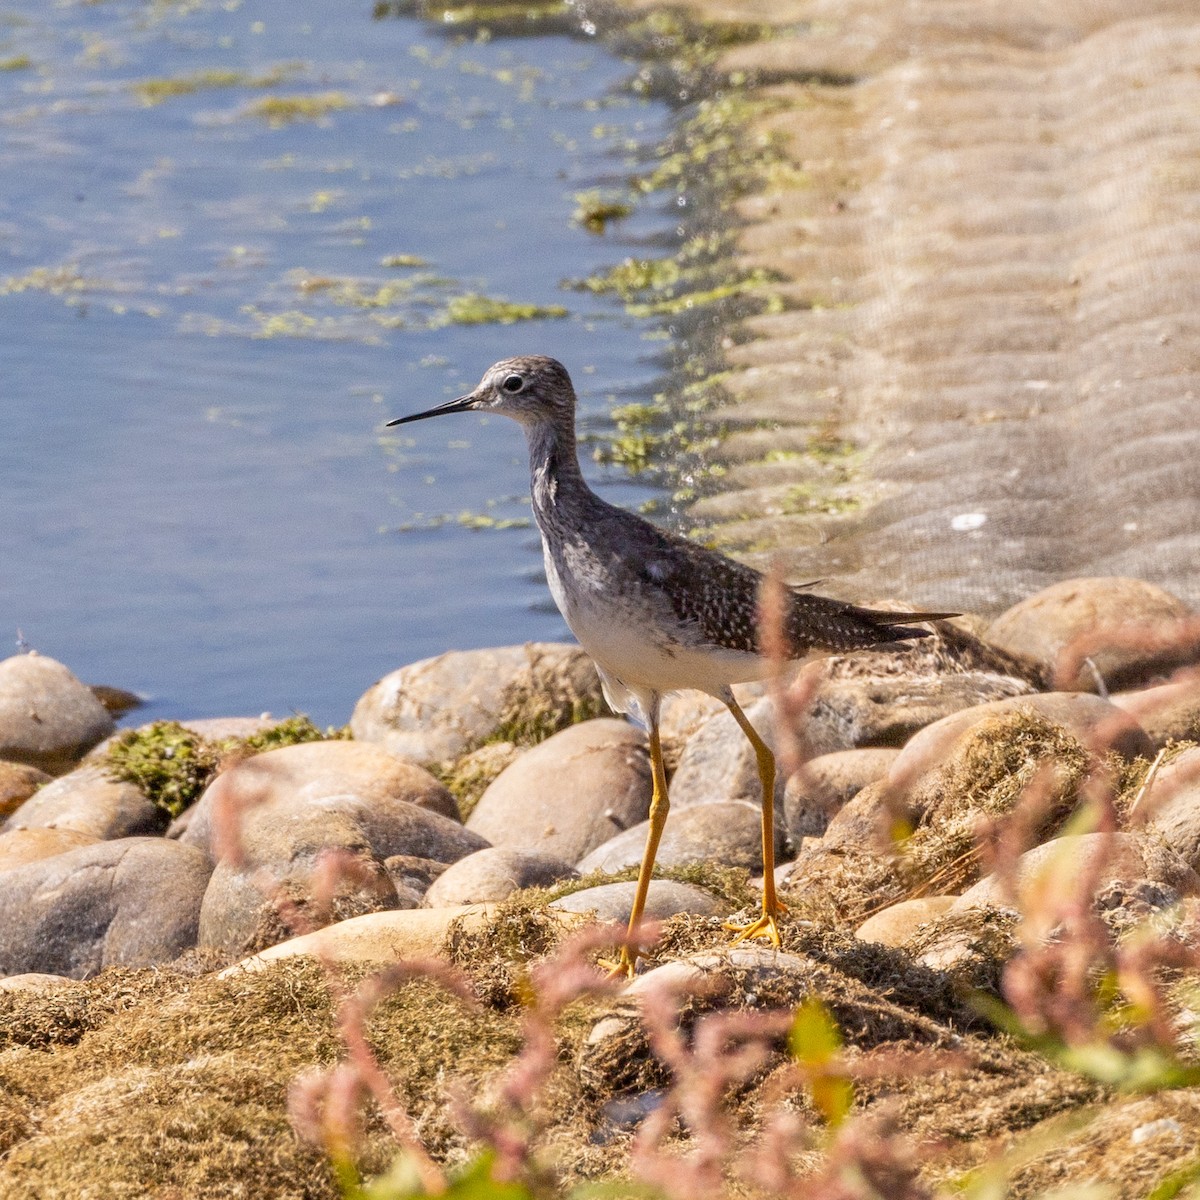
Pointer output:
x,y
57,281
156,91
475,309
18,62
279,111
403,260
596,210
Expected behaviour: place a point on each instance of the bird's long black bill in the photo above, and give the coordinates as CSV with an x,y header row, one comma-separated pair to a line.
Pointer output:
x,y
462,404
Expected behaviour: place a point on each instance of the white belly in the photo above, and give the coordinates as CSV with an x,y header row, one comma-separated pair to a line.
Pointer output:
x,y
644,654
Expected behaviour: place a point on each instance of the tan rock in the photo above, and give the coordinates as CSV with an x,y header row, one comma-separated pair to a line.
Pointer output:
x,y
1083,715
1050,868
304,774
1058,619
303,833
18,781
571,793
1169,712
665,898
435,710
48,719
824,784
89,801
898,922
34,981
381,937
21,846
728,832
494,873
719,764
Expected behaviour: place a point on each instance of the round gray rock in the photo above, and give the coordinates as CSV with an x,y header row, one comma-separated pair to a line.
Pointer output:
x,y
493,874
718,762
292,815
89,801
1043,625
665,898
570,793
435,710
726,831
824,784
306,773
48,719
131,902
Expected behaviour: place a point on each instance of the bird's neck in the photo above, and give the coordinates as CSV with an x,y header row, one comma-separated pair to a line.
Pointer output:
x,y
554,475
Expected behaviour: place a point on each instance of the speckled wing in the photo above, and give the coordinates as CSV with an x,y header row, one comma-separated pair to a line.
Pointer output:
x,y
718,597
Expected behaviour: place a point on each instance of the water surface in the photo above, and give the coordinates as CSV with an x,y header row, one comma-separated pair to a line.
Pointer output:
x,y
201,339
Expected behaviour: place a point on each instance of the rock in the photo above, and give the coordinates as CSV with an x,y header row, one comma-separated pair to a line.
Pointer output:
x,y
33,981
1169,712
971,945
131,902
1122,857
571,793
683,713
48,719
884,710
311,828
21,846
898,922
865,819
379,937
493,874
116,701
413,875
1171,805
18,782
309,772
89,801
727,832
824,784
665,898
435,710
1082,715
718,762
219,729
1042,626
474,773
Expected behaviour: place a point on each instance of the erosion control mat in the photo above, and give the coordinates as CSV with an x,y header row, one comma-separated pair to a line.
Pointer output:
x,y
984,221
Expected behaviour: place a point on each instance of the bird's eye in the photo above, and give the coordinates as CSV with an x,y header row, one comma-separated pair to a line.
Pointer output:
x,y
513,383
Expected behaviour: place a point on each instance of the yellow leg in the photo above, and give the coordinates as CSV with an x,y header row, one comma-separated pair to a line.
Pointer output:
x,y
659,806
765,927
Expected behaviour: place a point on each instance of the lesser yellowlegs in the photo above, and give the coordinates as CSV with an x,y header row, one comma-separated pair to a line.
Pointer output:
x,y
656,612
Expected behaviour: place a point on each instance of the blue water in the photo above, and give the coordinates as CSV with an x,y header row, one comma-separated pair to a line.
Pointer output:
x,y
216,518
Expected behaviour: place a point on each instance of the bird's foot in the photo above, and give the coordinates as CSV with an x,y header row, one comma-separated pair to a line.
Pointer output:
x,y
621,967
765,928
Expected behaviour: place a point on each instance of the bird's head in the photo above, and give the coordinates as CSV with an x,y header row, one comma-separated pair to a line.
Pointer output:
x,y
530,389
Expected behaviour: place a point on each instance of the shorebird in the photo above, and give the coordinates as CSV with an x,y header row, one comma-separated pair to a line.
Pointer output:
x,y
656,612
